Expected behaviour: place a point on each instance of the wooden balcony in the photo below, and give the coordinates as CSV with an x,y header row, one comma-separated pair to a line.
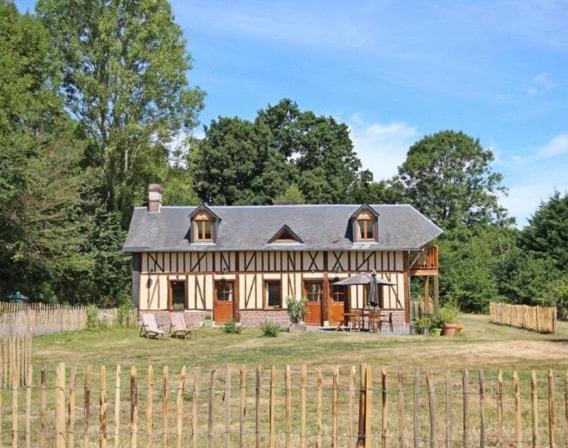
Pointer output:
x,y
425,262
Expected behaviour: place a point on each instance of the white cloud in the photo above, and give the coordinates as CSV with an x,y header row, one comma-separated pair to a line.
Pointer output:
x,y
541,83
382,147
555,147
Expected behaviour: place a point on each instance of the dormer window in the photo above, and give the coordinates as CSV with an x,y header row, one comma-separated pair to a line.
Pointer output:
x,y
202,230
365,221
204,225
366,230
285,236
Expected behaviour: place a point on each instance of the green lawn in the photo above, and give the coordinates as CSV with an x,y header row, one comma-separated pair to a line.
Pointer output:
x,y
481,345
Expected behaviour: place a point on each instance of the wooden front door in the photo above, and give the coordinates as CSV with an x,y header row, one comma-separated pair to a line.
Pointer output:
x,y
313,291
338,304
223,301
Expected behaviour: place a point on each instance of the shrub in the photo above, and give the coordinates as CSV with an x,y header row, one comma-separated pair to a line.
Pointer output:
x,y
296,309
93,322
270,329
449,313
124,315
231,327
422,323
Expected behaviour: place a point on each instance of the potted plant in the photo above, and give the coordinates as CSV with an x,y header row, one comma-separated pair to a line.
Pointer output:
x,y
296,311
436,325
449,314
422,324
207,321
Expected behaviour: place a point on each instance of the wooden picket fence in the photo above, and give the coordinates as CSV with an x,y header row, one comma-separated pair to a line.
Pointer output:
x,y
535,318
42,318
15,359
284,407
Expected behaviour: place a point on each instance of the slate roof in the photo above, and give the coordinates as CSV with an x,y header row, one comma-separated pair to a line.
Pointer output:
x,y
320,227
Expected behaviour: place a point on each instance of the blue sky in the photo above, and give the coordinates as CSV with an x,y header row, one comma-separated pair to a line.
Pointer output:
x,y
395,71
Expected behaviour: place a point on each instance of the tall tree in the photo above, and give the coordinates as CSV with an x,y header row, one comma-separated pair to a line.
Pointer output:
x,y
235,164
448,176
42,233
546,234
326,167
125,69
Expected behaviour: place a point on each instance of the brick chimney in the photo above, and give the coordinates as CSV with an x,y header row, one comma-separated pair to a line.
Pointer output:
x,y
155,198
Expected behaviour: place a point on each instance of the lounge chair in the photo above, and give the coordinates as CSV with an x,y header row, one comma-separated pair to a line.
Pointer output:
x,y
150,327
178,326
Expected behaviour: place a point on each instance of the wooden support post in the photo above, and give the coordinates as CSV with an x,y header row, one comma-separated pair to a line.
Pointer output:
x,y
287,385
28,384
179,408
436,293
165,406
271,409
416,409
334,386
427,295
102,408
194,409
518,411
303,386
227,399
368,407
116,441
534,406
449,419
362,403
499,400
210,413
257,405
60,406
432,409
243,405
551,411
465,383
133,408
384,409
71,409
482,436
401,409
42,403
86,407
150,408
319,398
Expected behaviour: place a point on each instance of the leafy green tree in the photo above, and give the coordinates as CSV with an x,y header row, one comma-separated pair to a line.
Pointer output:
x,y
546,234
235,164
448,177
292,195
42,232
326,167
124,74
469,258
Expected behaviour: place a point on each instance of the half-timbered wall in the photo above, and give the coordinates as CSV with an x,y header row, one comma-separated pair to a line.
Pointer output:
x,y
200,270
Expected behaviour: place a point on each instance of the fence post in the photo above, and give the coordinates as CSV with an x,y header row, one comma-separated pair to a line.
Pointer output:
x,y
42,391
71,409
102,408
288,407
361,436
165,396
257,405
368,407
149,407
227,399
335,380
14,380
87,407
133,408
384,410
303,385
482,436
271,412
518,411
210,410
400,419
243,405
500,408
534,402
432,408
116,441
416,409
60,406
179,408
465,382
194,408
449,429
551,411
28,407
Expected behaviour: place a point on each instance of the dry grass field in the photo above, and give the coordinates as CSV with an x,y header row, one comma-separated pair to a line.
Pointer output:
x,y
482,345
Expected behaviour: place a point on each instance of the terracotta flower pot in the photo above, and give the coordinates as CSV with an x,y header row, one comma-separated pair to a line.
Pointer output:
x,y
450,329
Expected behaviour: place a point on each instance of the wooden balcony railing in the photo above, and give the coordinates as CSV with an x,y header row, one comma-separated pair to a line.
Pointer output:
x,y
427,262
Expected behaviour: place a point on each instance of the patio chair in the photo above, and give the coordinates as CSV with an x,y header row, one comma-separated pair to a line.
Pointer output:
x,y
386,319
178,326
357,321
150,327
374,321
